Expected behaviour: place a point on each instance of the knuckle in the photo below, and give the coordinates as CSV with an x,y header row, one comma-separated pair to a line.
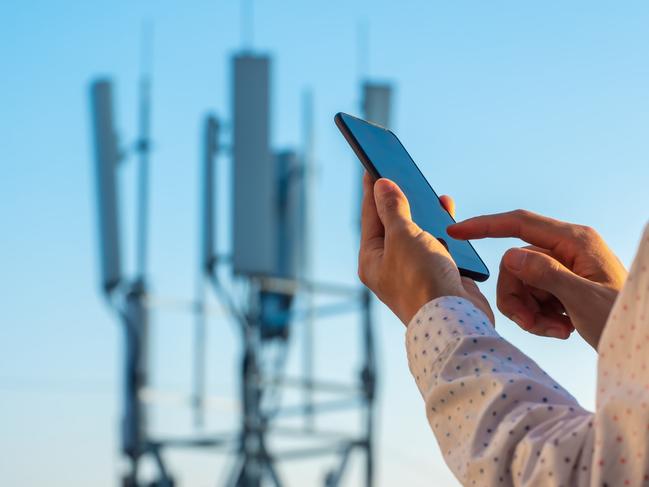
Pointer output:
x,y
500,303
397,229
404,230
361,276
503,296
417,233
521,213
584,233
542,270
362,266
504,304
536,269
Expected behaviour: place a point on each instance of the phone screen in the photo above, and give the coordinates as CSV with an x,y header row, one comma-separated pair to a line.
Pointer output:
x,y
388,158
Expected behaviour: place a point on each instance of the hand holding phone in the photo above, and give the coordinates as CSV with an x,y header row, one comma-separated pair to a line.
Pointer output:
x,y
405,266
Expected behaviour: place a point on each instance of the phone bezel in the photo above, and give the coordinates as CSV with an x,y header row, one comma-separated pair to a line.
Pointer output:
x,y
369,166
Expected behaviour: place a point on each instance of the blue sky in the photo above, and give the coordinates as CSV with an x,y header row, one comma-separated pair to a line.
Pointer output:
x,y
538,105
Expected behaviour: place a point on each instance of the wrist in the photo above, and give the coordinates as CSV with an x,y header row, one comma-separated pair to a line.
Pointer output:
x,y
416,300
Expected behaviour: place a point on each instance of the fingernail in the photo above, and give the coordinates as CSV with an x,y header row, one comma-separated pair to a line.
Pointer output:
x,y
515,258
382,186
554,333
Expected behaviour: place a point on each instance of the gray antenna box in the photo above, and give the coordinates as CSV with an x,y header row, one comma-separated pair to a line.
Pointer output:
x,y
255,213
106,161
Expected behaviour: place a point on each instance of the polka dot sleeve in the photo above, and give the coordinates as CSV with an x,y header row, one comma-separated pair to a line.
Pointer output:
x,y
622,419
498,418
501,420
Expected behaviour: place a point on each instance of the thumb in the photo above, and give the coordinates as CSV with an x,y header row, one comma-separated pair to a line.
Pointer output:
x,y
541,271
391,204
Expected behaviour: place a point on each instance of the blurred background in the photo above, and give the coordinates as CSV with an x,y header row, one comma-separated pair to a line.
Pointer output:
x,y
502,104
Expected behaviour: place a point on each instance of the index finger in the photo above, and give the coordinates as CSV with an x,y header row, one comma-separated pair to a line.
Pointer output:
x,y
530,227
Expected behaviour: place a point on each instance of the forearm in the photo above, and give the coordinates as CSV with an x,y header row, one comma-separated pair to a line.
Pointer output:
x,y
499,419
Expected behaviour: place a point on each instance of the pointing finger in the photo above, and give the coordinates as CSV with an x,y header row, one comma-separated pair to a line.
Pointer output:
x,y
530,227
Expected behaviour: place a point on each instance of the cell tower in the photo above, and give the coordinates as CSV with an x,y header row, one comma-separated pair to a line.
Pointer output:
x,y
271,259
126,295
271,253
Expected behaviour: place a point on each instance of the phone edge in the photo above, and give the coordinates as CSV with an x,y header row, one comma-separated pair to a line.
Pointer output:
x,y
356,147
367,164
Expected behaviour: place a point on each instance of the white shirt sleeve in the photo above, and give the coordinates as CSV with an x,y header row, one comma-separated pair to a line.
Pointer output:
x,y
500,420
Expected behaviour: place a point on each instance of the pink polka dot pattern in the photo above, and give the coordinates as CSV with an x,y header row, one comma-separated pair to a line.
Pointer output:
x,y
502,421
622,418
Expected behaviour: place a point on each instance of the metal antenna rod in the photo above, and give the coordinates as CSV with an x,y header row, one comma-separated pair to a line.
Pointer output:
x,y
207,267
362,73
307,219
362,51
143,148
198,372
247,27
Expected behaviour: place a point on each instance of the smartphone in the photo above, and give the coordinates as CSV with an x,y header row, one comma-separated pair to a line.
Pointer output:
x,y
384,156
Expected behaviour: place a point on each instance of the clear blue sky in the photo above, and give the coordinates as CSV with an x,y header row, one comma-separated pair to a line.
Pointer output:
x,y
506,104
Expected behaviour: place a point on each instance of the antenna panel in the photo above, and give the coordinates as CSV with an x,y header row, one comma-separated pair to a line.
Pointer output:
x,y
255,219
291,245
377,99
208,224
106,160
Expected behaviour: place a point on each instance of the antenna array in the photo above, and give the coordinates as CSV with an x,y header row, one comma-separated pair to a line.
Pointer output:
x,y
272,233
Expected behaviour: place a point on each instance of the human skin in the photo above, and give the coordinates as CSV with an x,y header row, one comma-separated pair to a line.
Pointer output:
x,y
567,279
403,265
